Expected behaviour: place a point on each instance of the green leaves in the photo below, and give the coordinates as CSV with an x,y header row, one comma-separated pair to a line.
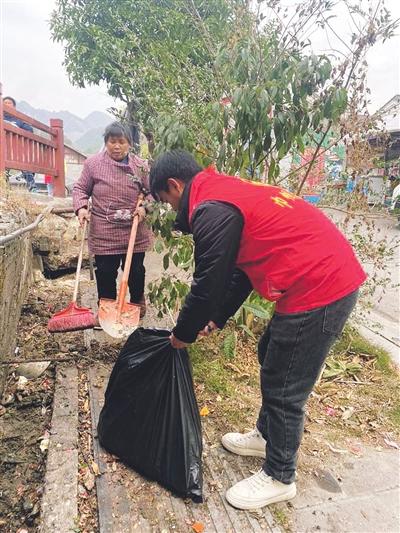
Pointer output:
x,y
273,95
204,76
152,52
230,344
254,314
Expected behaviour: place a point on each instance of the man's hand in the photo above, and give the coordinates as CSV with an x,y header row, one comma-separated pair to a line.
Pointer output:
x,y
140,212
210,328
176,343
83,214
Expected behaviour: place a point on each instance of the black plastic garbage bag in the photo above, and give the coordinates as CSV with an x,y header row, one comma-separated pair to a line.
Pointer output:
x,y
150,417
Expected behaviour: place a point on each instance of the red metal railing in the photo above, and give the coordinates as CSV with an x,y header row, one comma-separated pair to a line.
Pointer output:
x,y
41,152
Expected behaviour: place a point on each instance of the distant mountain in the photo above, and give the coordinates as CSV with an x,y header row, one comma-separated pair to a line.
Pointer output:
x,y
84,134
91,141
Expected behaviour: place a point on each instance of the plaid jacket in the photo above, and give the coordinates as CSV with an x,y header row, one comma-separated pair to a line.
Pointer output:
x,y
113,193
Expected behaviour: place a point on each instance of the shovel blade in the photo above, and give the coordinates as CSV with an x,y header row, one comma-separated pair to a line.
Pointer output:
x,y
120,326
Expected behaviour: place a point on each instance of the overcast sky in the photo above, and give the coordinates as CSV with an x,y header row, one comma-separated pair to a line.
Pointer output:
x,y
31,64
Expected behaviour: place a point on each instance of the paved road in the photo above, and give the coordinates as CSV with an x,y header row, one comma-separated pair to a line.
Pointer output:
x,y
383,326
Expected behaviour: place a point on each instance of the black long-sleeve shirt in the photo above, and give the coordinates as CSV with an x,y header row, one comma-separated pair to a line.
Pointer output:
x,y
218,288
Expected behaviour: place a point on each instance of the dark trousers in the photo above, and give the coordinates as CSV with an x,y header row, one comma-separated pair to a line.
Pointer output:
x,y
107,271
291,353
30,180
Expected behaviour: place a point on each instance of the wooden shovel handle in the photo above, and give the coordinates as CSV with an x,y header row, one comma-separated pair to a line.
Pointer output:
x,y
128,261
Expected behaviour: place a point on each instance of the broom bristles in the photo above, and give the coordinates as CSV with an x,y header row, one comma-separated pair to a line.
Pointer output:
x,y
71,323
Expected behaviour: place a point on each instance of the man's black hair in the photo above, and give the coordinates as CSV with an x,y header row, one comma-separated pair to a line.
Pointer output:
x,y
176,164
12,100
116,129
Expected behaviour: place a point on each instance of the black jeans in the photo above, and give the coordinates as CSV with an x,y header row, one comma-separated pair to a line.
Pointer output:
x,y
30,180
107,271
291,353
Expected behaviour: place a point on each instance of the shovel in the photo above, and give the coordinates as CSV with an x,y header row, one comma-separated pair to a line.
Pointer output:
x,y
117,317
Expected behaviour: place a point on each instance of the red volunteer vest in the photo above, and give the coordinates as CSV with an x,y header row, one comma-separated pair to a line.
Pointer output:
x,y
291,252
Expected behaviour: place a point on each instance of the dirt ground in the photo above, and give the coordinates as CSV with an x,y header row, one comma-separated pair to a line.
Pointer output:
x,y
23,438
26,406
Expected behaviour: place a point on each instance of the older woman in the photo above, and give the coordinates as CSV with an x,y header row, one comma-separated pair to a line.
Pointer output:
x,y
110,178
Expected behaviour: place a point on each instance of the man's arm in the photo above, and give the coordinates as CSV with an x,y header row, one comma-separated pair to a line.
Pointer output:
x,y
217,229
238,290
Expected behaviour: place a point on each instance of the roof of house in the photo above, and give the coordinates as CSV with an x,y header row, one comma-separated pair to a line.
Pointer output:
x,y
390,113
75,150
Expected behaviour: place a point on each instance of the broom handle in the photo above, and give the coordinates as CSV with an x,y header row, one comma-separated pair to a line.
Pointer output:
x,y
79,265
128,261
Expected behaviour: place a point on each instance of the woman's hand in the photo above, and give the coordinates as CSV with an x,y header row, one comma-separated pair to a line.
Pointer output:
x,y
176,343
83,214
210,328
140,212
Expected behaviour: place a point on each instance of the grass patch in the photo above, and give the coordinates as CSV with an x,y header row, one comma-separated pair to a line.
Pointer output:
x,y
394,415
208,368
352,345
360,384
359,393
228,386
281,516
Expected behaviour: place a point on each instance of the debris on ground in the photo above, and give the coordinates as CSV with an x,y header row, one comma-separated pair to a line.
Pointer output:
x,y
32,370
26,406
355,403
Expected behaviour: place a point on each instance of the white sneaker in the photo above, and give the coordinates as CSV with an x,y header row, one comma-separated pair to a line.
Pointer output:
x,y
259,490
251,443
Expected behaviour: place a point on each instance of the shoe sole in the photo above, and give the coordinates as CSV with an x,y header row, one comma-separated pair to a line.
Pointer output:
x,y
246,452
245,506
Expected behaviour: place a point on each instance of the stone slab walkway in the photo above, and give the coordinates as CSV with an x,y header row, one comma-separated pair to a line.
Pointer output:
x,y
59,504
355,494
129,503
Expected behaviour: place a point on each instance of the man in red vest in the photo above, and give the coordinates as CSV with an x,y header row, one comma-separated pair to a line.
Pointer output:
x,y
254,236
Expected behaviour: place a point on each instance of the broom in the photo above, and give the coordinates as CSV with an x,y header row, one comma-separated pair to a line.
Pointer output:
x,y
73,318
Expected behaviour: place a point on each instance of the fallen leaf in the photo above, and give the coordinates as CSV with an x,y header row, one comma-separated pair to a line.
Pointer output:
x,y
20,490
204,411
88,479
335,450
356,449
198,527
391,444
44,442
7,400
233,367
347,413
95,468
22,381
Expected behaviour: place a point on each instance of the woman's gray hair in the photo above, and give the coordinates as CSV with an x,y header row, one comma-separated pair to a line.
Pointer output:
x,y
116,129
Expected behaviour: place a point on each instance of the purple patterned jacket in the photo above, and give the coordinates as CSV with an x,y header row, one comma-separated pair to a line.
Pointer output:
x,y
114,194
